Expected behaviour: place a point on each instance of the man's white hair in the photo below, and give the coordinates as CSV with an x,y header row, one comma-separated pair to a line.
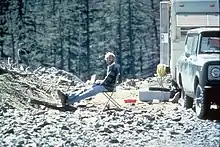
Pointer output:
x,y
109,54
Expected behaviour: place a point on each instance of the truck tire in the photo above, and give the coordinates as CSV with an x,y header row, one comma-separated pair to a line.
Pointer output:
x,y
187,101
202,105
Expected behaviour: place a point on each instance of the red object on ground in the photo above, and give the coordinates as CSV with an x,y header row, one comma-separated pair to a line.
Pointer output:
x,y
130,100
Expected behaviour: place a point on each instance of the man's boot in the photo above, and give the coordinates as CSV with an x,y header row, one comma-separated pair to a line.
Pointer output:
x,y
63,98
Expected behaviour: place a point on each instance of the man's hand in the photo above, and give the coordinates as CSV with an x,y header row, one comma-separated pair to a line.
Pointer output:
x,y
98,82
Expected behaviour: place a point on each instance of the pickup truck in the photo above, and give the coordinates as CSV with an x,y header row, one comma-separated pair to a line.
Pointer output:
x,y
198,70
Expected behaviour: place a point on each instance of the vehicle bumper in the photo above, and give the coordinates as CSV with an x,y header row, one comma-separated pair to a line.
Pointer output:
x,y
212,93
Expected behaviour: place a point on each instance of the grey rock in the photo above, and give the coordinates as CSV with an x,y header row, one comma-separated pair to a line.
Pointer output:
x,y
65,128
149,126
106,130
177,118
10,130
187,130
174,133
113,140
149,116
140,129
116,125
98,124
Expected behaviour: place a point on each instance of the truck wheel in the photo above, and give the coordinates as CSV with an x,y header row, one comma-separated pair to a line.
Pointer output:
x,y
187,101
201,103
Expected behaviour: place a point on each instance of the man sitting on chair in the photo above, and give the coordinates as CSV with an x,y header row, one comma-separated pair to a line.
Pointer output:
x,y
108,84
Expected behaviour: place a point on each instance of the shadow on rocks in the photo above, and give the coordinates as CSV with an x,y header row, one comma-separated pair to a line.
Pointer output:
x,y
214,114
53,106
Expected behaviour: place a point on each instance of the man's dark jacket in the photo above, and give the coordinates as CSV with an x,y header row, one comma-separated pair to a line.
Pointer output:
x,y
110,79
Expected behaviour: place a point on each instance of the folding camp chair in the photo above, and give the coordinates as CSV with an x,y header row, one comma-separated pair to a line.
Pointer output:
x,y
109,95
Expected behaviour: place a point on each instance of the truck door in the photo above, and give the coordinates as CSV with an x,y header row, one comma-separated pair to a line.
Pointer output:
x,y
191,63
186,68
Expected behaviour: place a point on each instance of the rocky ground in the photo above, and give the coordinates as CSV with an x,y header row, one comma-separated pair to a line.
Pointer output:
x,y
29,116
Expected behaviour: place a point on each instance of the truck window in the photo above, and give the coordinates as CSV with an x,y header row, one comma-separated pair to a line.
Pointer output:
x,y
189,43
210,42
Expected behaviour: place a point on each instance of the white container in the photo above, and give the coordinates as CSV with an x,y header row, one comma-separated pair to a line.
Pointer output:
x,y
146,95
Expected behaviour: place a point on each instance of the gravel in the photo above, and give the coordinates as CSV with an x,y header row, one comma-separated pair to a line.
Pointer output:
x,y
155,125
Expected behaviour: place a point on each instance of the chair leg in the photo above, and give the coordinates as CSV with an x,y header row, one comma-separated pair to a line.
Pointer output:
x,y
112,100
106,106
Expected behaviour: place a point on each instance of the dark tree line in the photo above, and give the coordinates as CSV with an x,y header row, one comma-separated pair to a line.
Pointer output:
x,y
74,35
